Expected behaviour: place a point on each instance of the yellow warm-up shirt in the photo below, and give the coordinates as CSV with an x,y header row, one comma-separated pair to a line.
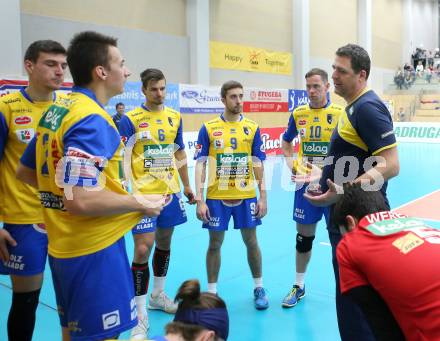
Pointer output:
x,y
19,116
151,140
78,144
229,148
315,128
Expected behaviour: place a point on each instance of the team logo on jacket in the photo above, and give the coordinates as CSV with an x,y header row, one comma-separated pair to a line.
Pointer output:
x,y
219,144
246,130
170,121
22,120
329,118
25,135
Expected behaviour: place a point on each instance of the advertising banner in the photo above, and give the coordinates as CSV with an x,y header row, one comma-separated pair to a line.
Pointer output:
x,y
296,98
8,86
133,97
198,99
425,132
265,100
190,141
272,138
248,58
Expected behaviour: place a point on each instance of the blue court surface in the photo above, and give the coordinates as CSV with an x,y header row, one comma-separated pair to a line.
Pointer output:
x,y
314,318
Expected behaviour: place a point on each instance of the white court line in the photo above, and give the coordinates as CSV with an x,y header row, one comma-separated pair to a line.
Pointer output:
x,y
325,243
413,201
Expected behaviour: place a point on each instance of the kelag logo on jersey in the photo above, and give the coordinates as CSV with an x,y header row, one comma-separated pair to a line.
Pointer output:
x,y
160,150
296,98
233,160
53,117
315,148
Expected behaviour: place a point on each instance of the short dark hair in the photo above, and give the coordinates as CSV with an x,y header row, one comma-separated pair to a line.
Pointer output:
x,y
86,51
318,72
151,75
118,104
358,203
228,86
360,60
47,46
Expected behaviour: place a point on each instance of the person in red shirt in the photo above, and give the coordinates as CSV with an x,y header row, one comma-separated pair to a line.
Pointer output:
x,y
388,264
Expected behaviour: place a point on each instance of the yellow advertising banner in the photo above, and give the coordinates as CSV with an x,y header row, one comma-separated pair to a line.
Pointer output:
x,y
248,58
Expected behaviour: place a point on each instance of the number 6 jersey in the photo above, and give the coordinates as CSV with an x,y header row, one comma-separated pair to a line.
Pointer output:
x,y
151,140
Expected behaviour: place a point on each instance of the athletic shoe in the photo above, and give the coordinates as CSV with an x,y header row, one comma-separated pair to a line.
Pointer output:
x,y
260,299
140,331
294,296
162,302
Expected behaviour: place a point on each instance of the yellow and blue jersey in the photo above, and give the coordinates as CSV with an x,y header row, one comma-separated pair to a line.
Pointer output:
x,y
314,127
364,129
229,148
77,144
151,140
19,116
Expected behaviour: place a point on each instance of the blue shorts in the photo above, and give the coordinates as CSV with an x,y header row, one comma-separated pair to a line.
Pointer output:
x,y
172,214
243,213
95,293
304,212
28,258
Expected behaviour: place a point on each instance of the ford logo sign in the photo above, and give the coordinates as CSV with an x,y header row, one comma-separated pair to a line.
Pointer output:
x,y
190,94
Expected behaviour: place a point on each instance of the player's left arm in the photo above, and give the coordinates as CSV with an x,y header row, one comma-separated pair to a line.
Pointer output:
x,y
379,316
375,128
5,240
182,165
4,130
26,170
258,156
387,166
355,284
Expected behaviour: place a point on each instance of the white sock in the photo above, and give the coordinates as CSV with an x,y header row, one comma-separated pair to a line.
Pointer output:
x,y
141,305
158,286
258,282
212,288
300,279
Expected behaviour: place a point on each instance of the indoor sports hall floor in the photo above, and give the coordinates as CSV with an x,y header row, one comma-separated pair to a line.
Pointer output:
x,y
314,318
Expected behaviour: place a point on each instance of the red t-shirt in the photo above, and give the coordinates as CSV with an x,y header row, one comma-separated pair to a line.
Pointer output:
x,y
400,258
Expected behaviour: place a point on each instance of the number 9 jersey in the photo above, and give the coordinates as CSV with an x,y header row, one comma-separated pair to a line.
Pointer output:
x,y
229,148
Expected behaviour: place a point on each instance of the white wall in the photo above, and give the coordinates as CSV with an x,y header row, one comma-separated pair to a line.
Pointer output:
x,y
425,24
141,49
11,59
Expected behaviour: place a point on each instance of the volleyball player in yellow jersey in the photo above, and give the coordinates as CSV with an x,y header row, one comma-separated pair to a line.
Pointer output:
x,y
45,63
314,123
77,161
153,135
232,147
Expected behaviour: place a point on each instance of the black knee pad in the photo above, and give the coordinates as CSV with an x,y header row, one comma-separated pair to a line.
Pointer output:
x,y
303,243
